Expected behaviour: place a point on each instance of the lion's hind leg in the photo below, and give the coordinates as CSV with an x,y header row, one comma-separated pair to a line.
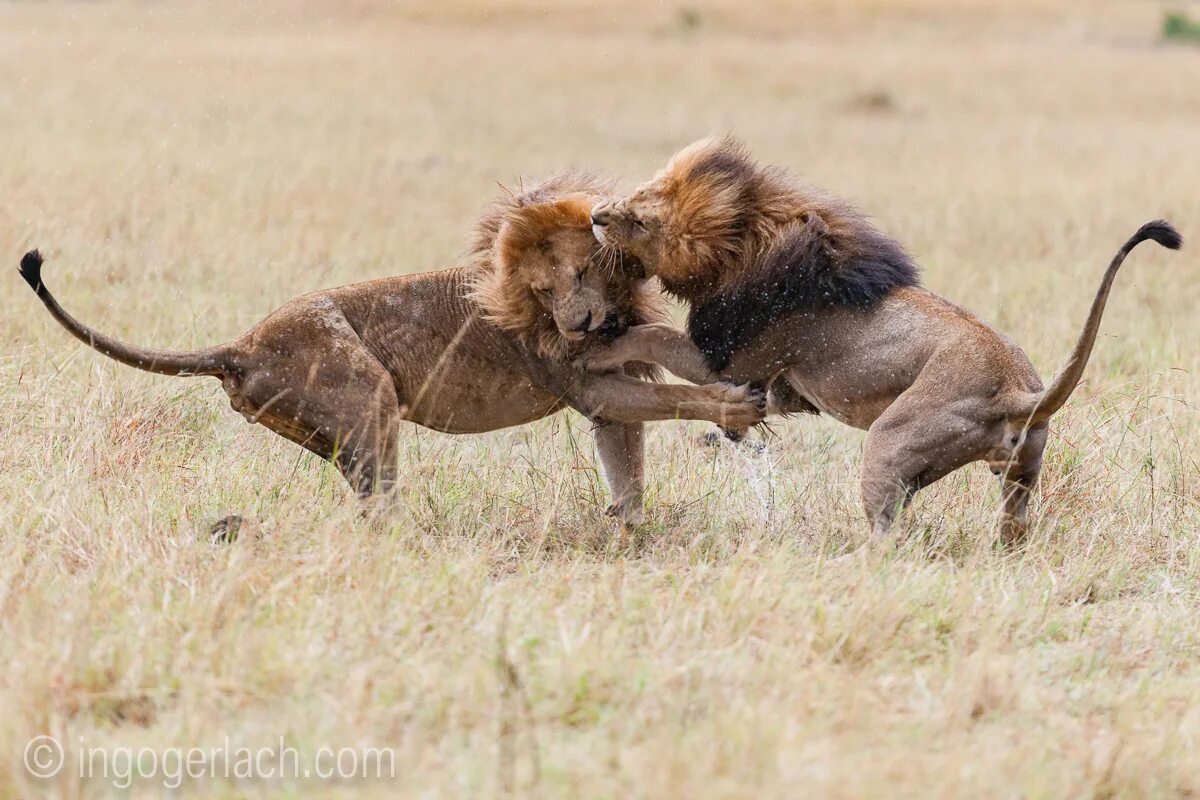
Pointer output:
x,y
365,454
340,405
1018,477
909,447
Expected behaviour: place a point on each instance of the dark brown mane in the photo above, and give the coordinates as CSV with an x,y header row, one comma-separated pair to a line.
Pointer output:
x,y
757,245
561,202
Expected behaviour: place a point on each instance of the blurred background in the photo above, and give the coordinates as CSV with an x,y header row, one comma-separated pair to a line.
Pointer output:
x,y
272,148
186,167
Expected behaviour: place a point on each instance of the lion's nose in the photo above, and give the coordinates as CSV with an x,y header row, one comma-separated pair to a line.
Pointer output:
x,y
586,325
601,217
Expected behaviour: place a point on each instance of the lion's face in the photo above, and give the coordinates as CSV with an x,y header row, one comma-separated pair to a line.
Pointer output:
x,y
687,220
552,281
563,274
639,224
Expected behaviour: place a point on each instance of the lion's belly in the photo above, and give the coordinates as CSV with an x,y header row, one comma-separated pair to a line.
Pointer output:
x,y
851,405
452,372
461,400
459,389
850,364
853,365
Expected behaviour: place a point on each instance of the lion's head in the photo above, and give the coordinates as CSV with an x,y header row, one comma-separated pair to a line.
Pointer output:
x,y
693,217
539,272
745,244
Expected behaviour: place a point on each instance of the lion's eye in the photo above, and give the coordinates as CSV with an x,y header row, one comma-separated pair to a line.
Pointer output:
x,y
541,291
637,223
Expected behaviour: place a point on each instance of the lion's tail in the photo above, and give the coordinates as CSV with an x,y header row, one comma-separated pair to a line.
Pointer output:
x,y
1034,408
210,361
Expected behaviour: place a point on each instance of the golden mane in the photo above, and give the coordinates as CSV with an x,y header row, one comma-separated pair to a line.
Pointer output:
x,y
512,225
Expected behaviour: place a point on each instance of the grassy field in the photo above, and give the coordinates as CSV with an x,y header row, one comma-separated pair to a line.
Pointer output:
x,y
187,168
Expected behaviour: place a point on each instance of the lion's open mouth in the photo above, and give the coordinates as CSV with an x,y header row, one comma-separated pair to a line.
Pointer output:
x,y
614,325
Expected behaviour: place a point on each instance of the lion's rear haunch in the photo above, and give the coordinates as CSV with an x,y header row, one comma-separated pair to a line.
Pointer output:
x,y
31,270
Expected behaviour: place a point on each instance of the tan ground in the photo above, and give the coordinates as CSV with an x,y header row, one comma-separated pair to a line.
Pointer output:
x,y
187,169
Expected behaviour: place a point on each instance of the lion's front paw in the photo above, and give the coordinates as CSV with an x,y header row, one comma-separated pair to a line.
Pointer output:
x,y
629,512
740,393
741,405
602,359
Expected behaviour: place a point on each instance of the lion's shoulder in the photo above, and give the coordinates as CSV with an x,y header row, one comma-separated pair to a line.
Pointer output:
x,y
829,257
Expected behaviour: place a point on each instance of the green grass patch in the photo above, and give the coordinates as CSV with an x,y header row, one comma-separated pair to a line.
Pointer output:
x,y
1179,27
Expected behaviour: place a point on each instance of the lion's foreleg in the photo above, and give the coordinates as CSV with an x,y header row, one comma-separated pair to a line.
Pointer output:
x,y
621,451
654,343
620,398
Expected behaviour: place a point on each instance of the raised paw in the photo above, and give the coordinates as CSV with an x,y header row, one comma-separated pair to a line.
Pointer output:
x,y
605,360
608,357
741,405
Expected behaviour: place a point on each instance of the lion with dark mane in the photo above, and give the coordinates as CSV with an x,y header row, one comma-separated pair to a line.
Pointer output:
x,y
794,289
477,348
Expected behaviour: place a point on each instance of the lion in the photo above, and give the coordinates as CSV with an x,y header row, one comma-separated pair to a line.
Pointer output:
x,y
790,285
485,346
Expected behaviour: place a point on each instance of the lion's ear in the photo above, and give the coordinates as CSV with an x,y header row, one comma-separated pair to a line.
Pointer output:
x,y
513,240
531,225
572,211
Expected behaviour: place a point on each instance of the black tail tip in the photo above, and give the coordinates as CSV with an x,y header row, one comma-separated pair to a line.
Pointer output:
x,y
1162,232
31,269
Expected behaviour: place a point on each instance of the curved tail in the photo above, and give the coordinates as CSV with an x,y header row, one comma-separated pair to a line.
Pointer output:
x,y
210,361
1034,408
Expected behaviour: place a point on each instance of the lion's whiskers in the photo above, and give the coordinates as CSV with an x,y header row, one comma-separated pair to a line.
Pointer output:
x,y
609,258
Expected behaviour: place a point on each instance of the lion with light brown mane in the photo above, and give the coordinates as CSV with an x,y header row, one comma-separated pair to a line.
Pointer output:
x,y
793,288
465,350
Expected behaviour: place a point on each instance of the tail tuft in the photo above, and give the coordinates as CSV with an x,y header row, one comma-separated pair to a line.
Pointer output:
x,y
31,270
1036,408
1160,231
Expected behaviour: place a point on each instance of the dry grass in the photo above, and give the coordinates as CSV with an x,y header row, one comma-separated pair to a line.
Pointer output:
x,y
187,168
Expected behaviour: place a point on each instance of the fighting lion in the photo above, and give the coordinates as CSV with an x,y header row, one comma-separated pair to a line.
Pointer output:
x,y
477,348
790,285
